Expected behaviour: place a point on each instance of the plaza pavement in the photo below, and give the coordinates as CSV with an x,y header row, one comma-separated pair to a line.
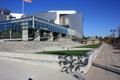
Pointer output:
x,y
10,70
108,57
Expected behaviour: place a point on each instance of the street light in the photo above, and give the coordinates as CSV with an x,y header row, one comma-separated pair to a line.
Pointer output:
x,y
113,35
113,32
119,31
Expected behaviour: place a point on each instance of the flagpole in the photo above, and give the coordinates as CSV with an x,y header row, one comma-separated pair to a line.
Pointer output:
x,y
22,6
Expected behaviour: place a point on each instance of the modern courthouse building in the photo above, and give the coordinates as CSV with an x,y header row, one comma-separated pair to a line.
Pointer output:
x,y
42,26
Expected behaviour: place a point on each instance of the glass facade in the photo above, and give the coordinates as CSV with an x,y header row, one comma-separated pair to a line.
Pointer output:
x,y
31,22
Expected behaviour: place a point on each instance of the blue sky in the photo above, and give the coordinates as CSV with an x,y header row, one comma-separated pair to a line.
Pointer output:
x,y
99,15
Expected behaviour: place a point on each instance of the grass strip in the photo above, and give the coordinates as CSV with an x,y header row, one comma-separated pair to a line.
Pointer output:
x,y
89,46
66,52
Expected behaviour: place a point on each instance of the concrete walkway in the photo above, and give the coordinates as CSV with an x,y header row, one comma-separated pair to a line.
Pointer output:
x,y
108,57
10,70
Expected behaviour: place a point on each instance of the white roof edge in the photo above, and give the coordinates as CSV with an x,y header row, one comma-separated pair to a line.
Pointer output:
x,y
63,11
17,13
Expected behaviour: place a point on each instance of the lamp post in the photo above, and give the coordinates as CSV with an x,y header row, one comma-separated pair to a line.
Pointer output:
x,y
113,35
119,31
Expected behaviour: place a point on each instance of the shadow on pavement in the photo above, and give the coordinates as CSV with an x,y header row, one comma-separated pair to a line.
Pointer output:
x,y
116,66
116,52
107,68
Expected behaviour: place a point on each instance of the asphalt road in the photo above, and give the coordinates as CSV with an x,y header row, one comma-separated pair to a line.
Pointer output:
x,y
11,70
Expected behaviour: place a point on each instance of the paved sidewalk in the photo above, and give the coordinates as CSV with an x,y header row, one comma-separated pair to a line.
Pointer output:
x,y
10,70
109,57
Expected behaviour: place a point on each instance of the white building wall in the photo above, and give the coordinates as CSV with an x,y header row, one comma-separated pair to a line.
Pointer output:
x,y
57,20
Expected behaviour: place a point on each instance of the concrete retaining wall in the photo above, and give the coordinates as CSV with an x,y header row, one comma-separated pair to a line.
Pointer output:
x,y
31,47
